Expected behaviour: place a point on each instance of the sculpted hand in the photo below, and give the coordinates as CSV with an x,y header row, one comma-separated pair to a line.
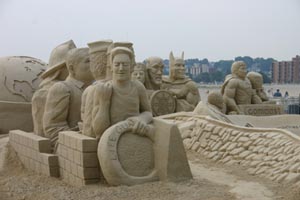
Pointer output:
x,y
104,91
173,93
138,126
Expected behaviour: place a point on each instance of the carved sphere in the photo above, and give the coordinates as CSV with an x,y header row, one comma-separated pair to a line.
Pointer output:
x,y
19,77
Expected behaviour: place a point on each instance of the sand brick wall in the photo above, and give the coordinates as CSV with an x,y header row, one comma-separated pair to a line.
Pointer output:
x,y
270,153
34,152
78,159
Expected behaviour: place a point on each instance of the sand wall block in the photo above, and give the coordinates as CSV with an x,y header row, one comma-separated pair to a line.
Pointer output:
x,y
265,152
34,152
77,156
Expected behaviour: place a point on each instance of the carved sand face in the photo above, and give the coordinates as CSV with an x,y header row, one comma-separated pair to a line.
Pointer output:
x,y
242,71
82,69
179,69
121,67
138,74
155,74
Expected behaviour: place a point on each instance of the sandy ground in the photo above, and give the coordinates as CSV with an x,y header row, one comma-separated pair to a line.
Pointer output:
x,y
211,182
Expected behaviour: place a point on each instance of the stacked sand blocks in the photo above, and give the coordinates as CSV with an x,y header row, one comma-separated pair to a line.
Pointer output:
x,y
34,152
78,159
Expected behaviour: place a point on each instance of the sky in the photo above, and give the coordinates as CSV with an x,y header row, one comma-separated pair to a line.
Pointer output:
x,y
212,29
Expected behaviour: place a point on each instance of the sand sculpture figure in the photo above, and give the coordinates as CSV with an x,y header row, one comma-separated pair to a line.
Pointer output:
x,y
126,148
154,73
183,88
214,101
56,71
98,66
237,89
62,110
256,80
214,107
139,72
161,101
121,99
128,45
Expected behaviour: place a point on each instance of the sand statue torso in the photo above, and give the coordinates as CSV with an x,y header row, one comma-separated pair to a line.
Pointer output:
x,y
237,89
184,89
243,89
125,104
63,103
62,109
56,71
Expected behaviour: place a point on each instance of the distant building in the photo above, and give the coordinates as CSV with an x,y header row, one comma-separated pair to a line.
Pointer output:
x,y
197,69
286,71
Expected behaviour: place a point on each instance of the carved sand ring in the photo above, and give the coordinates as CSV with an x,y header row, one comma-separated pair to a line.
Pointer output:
x,y
126,158
162,102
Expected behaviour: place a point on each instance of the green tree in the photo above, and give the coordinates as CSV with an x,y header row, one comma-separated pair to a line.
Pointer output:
x,y
203,77
265,78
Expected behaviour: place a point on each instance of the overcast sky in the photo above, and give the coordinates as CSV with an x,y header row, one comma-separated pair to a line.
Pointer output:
x,y
213,29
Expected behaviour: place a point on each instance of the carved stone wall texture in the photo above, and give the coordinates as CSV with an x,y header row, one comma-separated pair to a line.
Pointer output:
x,y
34,152
78,159
270,153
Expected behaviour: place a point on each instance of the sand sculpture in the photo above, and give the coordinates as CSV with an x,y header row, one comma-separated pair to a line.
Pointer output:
x,y
154,73
181,87
133,148
99,67
126,149
121,91
139,72
161,101
237,89
256,80
242,96
214,107
19,77
56,71
264,152
63,103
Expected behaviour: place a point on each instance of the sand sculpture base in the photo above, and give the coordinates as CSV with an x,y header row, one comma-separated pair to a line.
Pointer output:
x,y
261,109
129,159
265,152
125,158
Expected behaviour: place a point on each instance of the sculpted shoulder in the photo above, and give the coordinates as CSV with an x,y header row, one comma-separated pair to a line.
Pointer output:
x,y
140,86
59,87
166,79
192,86
233,83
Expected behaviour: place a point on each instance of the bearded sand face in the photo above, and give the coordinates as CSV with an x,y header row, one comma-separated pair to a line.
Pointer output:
x,y
155,69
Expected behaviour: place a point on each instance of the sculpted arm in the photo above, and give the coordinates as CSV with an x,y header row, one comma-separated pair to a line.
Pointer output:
x,y
101,108
56,111
141,122
86,111
145,108
181,94
83,102
229,95
255,98
193,96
